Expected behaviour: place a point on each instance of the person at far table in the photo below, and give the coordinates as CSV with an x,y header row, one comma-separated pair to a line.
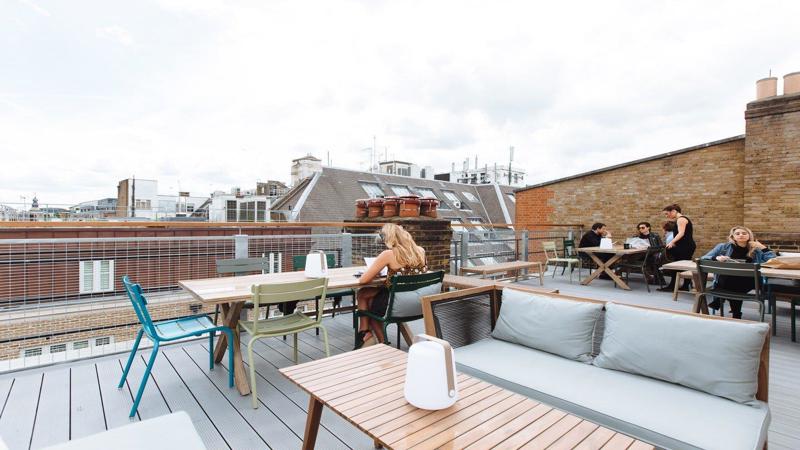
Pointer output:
x,y
648,237
403,257
682,246
592,239
743,246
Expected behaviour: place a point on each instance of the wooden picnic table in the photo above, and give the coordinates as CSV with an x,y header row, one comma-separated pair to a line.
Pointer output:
x,y
700,305
605,266
365,387
232,292
513,266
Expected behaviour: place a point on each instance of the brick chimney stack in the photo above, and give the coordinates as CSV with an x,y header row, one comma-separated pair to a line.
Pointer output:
x,y
772,157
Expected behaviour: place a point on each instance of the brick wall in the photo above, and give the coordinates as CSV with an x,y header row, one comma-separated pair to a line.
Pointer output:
x,y
772,162
705,180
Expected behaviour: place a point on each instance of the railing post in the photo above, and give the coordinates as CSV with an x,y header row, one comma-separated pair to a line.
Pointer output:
x,y
524,245
464,248
347,249
240,246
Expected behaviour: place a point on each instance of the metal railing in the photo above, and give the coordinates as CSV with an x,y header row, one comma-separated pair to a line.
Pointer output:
x,y
63,299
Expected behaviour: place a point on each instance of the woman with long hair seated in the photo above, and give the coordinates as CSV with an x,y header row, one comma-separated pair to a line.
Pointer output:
x,y
403,257
741,246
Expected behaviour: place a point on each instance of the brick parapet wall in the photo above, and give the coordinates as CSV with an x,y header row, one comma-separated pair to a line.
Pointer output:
x,y
706,182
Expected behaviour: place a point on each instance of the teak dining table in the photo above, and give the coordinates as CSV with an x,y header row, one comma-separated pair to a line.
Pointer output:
x,y
605,266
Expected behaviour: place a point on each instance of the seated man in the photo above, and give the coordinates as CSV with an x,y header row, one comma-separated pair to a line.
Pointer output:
x,y
649,237
592,239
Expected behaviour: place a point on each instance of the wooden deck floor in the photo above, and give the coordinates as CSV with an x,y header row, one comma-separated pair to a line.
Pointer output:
x,y
44,406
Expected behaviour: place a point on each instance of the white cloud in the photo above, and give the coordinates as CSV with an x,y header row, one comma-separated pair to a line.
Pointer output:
x,y
115,33
218,93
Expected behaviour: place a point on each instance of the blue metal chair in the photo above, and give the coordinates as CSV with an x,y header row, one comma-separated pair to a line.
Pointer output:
x,y
169,330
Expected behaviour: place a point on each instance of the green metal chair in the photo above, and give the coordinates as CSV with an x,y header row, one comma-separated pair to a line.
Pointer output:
x,y
269,294
169,330
405,284
551,253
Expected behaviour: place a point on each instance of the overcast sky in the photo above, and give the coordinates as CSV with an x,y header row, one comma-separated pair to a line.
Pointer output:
x,y
204,95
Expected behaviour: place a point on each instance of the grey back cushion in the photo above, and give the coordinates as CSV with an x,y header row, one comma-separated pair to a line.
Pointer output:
x,y
407,304
720,357
560,326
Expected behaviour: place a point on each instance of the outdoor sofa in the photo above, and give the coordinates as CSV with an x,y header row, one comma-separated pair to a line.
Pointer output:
x,y
676,380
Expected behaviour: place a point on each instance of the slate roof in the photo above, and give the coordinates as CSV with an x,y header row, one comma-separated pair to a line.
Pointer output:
x,y
332,197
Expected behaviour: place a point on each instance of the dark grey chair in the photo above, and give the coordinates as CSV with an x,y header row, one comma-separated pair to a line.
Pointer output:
x,y
732,269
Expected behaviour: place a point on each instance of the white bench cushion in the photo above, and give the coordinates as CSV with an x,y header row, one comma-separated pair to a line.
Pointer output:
x,y
170,432
560,326
665,414
720,357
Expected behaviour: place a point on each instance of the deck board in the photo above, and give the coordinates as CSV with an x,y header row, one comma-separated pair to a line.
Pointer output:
x,y
152,403
116,402
16,423
86,408
53,416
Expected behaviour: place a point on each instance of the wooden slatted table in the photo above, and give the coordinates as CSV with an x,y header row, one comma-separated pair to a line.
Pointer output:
x,y
507,267
365,387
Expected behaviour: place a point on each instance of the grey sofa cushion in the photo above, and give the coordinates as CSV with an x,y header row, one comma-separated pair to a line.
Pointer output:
x,y
720,357
408,304
559,326
665,414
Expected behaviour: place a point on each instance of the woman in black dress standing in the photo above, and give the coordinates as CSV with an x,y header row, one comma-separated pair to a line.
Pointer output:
x,y
682,246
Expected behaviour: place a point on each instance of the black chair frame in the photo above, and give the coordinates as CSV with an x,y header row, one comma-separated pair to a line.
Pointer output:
x,y
732,269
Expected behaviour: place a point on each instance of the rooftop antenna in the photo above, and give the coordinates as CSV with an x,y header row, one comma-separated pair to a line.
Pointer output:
x,y
510,160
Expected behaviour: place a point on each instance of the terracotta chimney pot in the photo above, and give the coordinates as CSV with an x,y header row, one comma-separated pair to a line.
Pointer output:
x,y
766,87
791,83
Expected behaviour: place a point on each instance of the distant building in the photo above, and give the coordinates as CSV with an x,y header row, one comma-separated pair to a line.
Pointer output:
x,y
271,188
240,206
95,209
488,174
139,198
305,167
405,169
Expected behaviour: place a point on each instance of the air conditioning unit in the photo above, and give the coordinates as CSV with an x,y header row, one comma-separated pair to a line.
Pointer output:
x,y
457,204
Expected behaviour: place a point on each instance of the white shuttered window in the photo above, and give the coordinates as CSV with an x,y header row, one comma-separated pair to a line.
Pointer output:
x,y
96,276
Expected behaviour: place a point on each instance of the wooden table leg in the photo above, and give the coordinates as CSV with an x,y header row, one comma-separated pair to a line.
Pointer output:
x,y
541,275
231,319
406,332
312,423
597,272
607,268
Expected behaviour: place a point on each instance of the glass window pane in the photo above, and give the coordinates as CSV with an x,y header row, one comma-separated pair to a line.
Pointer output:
x,y
400,190
469,196
373,190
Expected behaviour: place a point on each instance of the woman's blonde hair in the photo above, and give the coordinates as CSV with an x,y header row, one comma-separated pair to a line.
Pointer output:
x,y
750,241
407,252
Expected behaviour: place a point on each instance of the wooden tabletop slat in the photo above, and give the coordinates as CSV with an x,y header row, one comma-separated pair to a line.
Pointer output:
x,y
297,369
359,372
383,390
312,380
574,436
533,429
615,249
409,427
437,441
431,425
487,426
406,414
550,435
618,442
597,439
502,433
348,386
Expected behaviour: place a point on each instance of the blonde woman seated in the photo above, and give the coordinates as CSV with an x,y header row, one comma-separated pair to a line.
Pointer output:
x,y
403,257
741,246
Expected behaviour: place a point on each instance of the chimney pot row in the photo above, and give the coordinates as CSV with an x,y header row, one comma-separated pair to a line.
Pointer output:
x,y
768,87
